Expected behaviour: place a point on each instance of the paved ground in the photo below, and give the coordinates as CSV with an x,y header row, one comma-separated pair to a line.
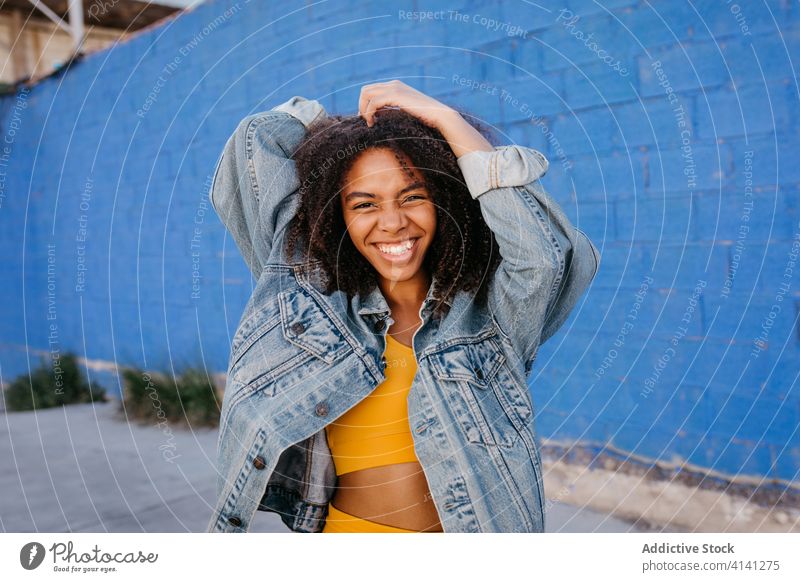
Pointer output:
x,y
83,468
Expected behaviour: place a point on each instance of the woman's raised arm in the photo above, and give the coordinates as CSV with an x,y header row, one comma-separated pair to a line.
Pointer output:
x,y
547,263
255,181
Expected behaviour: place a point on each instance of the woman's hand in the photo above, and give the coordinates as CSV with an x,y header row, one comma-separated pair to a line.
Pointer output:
x,y
398,94
462,137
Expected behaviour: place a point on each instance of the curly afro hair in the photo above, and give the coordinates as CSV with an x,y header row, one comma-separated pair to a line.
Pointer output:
x,y
463,253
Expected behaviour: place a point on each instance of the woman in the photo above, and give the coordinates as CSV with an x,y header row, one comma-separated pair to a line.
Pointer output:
x,y
388,193
425,252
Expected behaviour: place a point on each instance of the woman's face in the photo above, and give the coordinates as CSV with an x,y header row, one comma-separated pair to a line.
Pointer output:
x,y
385,210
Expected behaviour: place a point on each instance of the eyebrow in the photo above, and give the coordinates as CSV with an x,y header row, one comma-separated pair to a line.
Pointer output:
x,y
413,186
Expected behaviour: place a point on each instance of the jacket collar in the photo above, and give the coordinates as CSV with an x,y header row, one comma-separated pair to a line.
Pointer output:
x,y
374,301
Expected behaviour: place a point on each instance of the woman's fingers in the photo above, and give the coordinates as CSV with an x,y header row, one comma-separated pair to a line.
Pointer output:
x,y
373,102
367,94
397,94
374,96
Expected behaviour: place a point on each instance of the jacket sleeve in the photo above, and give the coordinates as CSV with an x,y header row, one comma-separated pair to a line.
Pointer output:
x,y
254,184
547,263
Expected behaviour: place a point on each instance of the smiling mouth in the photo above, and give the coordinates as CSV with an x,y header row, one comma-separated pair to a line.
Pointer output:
x,y
397,253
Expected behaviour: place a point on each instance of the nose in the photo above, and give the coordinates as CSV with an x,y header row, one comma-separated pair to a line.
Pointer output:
x,y
391,217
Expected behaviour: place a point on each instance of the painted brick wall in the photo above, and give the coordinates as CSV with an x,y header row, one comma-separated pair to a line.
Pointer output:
x,y
672,131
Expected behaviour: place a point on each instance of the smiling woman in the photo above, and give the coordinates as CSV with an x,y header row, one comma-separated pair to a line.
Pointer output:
x,y
391,212
394,182
408,271
390,216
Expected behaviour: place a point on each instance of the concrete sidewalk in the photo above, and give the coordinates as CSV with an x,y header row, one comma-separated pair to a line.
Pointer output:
x,y
84,468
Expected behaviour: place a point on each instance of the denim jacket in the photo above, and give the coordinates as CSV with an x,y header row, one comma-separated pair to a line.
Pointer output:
x,y
300,358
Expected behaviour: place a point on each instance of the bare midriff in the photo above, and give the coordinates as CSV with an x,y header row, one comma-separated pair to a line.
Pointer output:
x,y
394,491
396,495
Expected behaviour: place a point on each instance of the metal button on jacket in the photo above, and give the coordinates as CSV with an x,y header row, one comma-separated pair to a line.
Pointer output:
x,y
321,409
259,463
298,328
235,521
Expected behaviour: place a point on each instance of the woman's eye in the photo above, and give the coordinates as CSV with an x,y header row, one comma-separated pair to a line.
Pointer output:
x,y
406,199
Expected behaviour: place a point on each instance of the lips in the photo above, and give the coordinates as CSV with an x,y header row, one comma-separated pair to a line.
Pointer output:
x,y
402,257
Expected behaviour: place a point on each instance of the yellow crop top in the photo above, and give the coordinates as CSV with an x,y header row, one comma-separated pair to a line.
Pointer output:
x,y
376,431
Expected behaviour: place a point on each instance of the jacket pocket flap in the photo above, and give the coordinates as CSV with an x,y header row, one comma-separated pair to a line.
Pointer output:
x,y
477,363
306,325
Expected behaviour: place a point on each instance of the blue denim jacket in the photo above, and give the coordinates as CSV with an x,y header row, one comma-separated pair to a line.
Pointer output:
x,y
300,359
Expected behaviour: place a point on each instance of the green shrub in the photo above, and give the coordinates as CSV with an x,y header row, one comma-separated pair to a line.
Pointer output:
x,y
54,383
189,399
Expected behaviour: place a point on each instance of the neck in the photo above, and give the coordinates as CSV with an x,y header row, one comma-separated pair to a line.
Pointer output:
x,y
407,294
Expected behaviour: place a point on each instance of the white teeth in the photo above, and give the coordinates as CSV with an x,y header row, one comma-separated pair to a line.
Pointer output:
x,y
396,249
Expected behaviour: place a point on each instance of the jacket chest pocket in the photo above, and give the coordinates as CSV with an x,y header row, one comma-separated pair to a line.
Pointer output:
x,y
489,405
284,349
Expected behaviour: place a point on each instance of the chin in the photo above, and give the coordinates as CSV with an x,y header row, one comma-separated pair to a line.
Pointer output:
x,y
397,277
397,274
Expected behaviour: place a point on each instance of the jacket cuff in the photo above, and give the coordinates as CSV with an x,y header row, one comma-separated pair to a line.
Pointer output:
x,y
504,167
306,110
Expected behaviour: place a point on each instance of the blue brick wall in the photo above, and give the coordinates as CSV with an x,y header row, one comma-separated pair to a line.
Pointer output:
x,y
674,149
